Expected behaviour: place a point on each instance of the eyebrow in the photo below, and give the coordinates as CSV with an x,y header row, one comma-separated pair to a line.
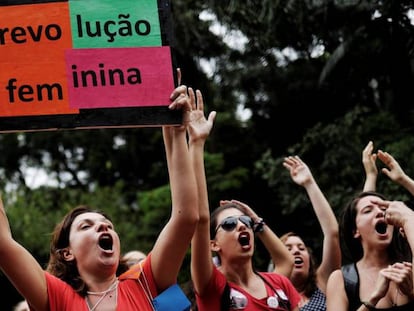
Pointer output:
x,y
92,220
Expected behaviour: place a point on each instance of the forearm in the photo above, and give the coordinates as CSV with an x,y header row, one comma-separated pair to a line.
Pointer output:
x,y
174,240
409,234
197,158
370,183
182,179
201,261
322,208
408,183
282,259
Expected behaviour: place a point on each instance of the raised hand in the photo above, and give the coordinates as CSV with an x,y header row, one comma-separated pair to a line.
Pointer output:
x,y
396,213
247,210
180,100
369,159
393,169
401,273
299,171
198,126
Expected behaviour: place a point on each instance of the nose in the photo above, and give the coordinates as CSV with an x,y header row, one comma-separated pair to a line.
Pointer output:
x,y
380,213
102,226
240,225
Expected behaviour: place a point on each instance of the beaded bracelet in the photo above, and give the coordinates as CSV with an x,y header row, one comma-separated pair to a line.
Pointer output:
x,y
259,225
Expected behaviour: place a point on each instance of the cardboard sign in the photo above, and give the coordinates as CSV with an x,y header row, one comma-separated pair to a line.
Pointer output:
x,y
85,64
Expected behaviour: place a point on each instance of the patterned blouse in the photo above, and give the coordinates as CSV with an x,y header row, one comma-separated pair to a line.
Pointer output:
x,y
317,302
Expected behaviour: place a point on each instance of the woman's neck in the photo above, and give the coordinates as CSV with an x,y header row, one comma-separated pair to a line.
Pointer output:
x,y
238,273
99,285
378,259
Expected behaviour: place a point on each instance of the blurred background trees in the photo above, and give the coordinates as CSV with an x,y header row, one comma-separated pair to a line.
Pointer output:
x,y
317,78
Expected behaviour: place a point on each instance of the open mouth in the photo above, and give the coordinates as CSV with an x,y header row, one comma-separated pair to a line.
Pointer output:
x,y
105,242
298,261
381,227
244,239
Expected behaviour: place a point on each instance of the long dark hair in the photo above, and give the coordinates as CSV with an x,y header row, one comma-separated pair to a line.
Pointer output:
x,y
310,284
398,249
67,270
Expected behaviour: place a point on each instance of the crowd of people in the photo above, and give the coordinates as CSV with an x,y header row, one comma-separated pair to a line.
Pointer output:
x,y
87,272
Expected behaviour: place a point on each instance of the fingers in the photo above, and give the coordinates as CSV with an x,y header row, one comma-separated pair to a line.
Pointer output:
x,y
182,97
398,272
178,91
224,202
212,116
407,266
368,148
299,160
181,92
179,76
200,101
381,202
239,203
192,99
291,161
385,157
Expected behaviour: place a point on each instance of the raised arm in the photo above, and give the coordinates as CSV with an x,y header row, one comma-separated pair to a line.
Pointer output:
x,y
395,172
331,253
172,244
20,267
282,259
201,261
370,167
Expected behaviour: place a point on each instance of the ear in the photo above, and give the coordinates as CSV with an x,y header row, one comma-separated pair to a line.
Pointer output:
x,y
67,254
214,246
357,234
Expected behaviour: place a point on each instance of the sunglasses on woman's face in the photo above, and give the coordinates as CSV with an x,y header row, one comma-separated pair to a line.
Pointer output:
x,y
230,223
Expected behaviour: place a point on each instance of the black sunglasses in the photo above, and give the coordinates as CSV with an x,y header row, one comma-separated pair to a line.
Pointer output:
x,y
230,223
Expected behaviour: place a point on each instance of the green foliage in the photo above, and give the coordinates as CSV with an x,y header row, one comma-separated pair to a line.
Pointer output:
x,y
155,207
334,154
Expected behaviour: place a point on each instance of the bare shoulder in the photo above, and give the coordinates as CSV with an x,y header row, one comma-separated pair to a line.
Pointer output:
x,y
336,281
336,275
335,292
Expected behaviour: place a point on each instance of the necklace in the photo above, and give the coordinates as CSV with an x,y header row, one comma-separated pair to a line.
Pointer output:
x,y
103,294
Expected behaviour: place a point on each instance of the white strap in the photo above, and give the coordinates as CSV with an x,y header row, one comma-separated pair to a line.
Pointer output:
x,y
146,288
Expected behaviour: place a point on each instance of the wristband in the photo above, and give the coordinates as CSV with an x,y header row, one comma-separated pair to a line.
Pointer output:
x,y
259,225
368,305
